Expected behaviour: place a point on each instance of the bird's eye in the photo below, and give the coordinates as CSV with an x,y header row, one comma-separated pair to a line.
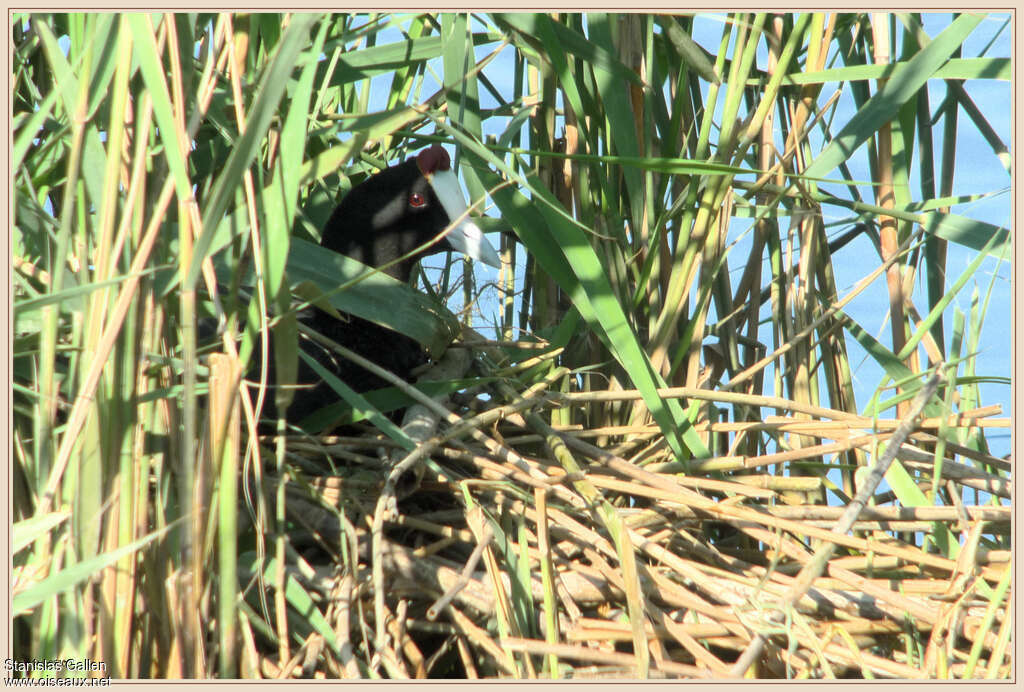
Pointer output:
x,y
417,200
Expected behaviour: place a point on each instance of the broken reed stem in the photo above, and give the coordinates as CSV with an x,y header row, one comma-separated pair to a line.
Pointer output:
x,y
816,565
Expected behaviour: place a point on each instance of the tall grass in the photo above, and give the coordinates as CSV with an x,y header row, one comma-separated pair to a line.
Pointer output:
x,y
673,211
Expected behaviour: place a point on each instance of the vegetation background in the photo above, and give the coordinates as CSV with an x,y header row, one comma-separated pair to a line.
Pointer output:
x,y
761,221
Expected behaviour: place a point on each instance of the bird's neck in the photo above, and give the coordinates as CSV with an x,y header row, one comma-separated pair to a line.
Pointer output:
x,y
387,251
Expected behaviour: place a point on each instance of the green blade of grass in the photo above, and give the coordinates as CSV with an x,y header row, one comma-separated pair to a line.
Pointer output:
x,y
24,601
264,108
885,104
560,246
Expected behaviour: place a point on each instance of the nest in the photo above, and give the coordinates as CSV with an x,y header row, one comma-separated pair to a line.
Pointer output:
x,y
506,547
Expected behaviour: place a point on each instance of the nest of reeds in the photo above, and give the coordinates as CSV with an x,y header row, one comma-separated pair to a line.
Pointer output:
x,y
505,545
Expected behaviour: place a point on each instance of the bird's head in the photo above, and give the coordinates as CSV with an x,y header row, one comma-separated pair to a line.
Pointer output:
x,y
391,214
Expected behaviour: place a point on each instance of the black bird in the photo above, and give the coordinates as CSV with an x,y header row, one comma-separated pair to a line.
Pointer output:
x,y
384,218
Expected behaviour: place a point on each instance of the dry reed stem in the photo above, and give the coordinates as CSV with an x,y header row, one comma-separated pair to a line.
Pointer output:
x,y
701,598
589,654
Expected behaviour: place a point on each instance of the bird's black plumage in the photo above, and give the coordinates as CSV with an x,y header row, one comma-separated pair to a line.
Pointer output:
x,y
388,221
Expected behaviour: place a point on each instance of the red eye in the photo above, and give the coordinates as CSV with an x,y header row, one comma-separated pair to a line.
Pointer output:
x,y
417,200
